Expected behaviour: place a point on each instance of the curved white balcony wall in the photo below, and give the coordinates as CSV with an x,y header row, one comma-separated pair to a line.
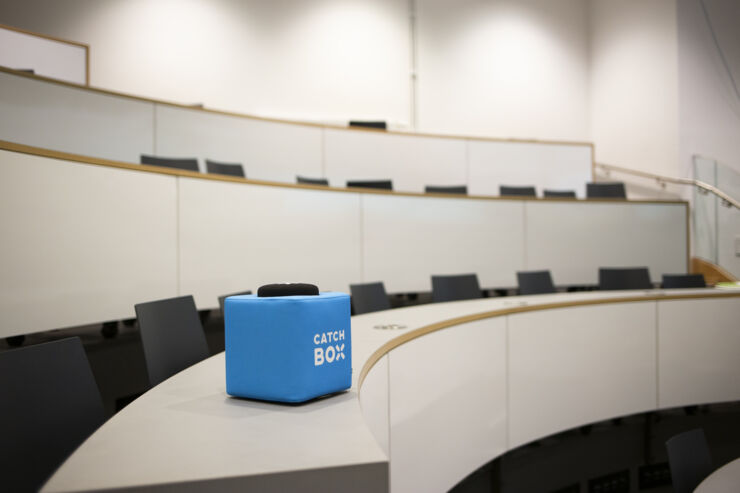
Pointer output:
x,y
109,125
85,242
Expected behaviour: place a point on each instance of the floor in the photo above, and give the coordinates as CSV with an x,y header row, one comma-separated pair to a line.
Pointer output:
x,y
614,456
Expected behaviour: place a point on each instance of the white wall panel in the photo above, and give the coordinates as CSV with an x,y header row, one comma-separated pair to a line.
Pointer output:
x,y
47,57
577,365
448,405
53,116
634,90
574,239
408,239
235,237
81,243
374,397
267,150
509,68
412,162
555,167
698,343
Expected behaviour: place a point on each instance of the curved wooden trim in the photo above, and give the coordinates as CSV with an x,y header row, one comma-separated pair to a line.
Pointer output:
x,y
77,158
712,273
292,122
428,329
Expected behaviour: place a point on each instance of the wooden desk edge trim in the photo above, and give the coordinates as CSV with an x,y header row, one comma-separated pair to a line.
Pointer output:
x,y
325,126
80,159
428,329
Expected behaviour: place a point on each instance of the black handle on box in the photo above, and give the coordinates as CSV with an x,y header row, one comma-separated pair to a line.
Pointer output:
x,y
287,289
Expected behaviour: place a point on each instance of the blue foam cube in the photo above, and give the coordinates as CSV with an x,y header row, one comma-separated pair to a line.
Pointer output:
x,y
288,348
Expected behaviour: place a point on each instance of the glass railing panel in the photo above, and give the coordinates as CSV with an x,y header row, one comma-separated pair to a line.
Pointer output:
x,y
728,220
704,217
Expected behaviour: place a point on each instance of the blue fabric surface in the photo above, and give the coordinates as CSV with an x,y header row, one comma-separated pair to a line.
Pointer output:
x,y
288,348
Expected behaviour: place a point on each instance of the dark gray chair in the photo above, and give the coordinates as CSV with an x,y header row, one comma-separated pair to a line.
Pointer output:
x,y
172,336
303,180
624,278
455,288
188,164
562,194
377,184
456,189
230,169
535,282
49,405
613,190
222,299
369,297
672,281
507,191
689,460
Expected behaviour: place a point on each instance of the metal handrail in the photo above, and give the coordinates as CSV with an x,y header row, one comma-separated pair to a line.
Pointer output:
x,y
662,180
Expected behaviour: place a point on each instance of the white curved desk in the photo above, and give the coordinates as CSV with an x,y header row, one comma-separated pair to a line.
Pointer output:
x,y
463,383
726,479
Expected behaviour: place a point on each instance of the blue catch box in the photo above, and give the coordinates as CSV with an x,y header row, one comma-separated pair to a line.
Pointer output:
x,y
288,348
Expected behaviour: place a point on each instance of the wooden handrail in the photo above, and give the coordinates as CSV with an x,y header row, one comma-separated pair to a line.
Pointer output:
x,y
702,186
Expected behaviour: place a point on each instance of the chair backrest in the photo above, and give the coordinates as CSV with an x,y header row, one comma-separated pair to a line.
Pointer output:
x,y
455,287
624,278
458,189
689,460
231,169
369,297
304,180
172,336
671,281
613,190
564,194
222,299
379,184
535,282
188,164
49,404
505,190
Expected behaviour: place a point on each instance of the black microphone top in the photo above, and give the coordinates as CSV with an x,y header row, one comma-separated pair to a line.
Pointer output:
x,y
287,289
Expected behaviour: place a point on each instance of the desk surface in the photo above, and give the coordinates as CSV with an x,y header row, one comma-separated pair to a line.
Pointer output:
x,y
726,479
188,430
